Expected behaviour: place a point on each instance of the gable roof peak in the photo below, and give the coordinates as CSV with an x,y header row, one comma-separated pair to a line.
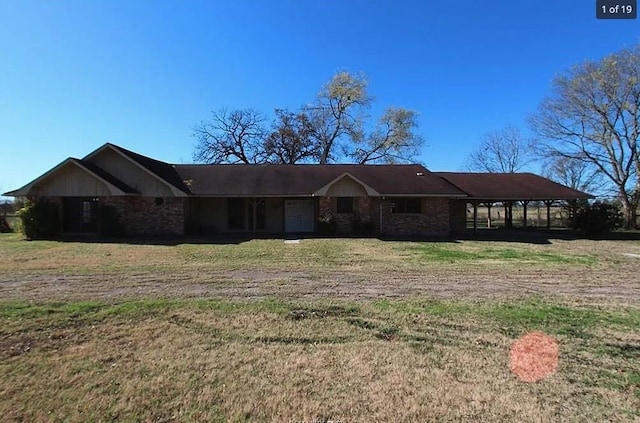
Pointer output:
x,y
163,171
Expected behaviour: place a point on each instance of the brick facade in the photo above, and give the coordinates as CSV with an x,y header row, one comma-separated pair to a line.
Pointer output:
x,y
458,215
433,220
145,216
363,209
167,215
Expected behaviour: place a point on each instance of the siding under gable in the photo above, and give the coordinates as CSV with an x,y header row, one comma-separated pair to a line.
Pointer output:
x,y
131,174
70,181
346,187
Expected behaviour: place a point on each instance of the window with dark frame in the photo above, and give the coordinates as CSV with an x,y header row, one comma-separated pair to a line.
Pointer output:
x,y
86,212
345,205
406,205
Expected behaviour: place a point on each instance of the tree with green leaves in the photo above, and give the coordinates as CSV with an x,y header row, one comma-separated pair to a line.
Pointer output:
x,y
593,115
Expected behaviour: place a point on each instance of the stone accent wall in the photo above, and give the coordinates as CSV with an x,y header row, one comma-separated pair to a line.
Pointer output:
x,y
458,215
432,221
142,216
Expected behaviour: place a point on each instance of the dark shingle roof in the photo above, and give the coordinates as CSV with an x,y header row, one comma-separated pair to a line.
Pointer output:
x,y
298,180
106,176
163,170
511,186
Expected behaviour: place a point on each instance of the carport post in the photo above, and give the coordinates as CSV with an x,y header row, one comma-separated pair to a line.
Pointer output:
x,y
548,204
489,205
524,212
475,216
506,214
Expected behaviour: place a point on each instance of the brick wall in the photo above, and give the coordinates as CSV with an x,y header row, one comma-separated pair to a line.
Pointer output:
x,y
326,205
142,216
458,215
432,221
363,207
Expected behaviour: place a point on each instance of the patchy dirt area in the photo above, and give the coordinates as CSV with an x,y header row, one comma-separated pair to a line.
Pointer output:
x,y
599,272
619,285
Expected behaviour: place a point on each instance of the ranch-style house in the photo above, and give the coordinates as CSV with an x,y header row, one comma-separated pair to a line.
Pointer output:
x,y
157,198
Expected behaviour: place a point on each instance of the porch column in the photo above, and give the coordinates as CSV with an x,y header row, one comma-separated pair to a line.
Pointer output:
x,y
510,214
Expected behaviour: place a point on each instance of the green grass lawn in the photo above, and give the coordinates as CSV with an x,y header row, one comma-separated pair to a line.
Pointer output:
x,y
216,360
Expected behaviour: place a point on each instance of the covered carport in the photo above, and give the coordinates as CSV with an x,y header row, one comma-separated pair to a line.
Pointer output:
x,y
508,189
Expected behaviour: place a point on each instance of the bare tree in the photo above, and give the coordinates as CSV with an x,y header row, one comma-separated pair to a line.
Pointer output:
x,y
231,137
593,115
332,128
393,141
290,141
573,173
576,174
337,114
502,151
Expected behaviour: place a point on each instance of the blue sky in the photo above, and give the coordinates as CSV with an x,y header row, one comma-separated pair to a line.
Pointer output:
x,y
142,73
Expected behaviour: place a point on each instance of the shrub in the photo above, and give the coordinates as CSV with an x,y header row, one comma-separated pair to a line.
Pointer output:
x,y
109,222
368,228
362,227
39,219
598,218
4,225
327,225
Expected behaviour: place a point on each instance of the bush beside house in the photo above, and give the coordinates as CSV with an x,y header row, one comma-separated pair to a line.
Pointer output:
x,y
40,219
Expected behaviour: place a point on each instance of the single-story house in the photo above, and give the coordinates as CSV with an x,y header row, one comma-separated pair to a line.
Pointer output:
x,y
157,198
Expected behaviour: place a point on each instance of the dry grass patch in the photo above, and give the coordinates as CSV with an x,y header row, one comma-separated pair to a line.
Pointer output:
x,y
19,256
204,360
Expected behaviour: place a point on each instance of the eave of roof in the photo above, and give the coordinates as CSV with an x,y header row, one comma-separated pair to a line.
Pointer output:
x,y
510,187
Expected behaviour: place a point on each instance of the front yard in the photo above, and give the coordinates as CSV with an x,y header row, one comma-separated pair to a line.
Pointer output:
x,y
328,329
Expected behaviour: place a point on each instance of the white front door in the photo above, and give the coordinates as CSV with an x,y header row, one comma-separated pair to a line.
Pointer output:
x,y
298,216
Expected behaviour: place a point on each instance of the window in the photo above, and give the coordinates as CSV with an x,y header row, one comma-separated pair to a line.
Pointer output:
x,y
236,213
256,214
86,212
345,205
246,214
406,205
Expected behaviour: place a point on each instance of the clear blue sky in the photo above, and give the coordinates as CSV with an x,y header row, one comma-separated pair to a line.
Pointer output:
x,y
75,74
